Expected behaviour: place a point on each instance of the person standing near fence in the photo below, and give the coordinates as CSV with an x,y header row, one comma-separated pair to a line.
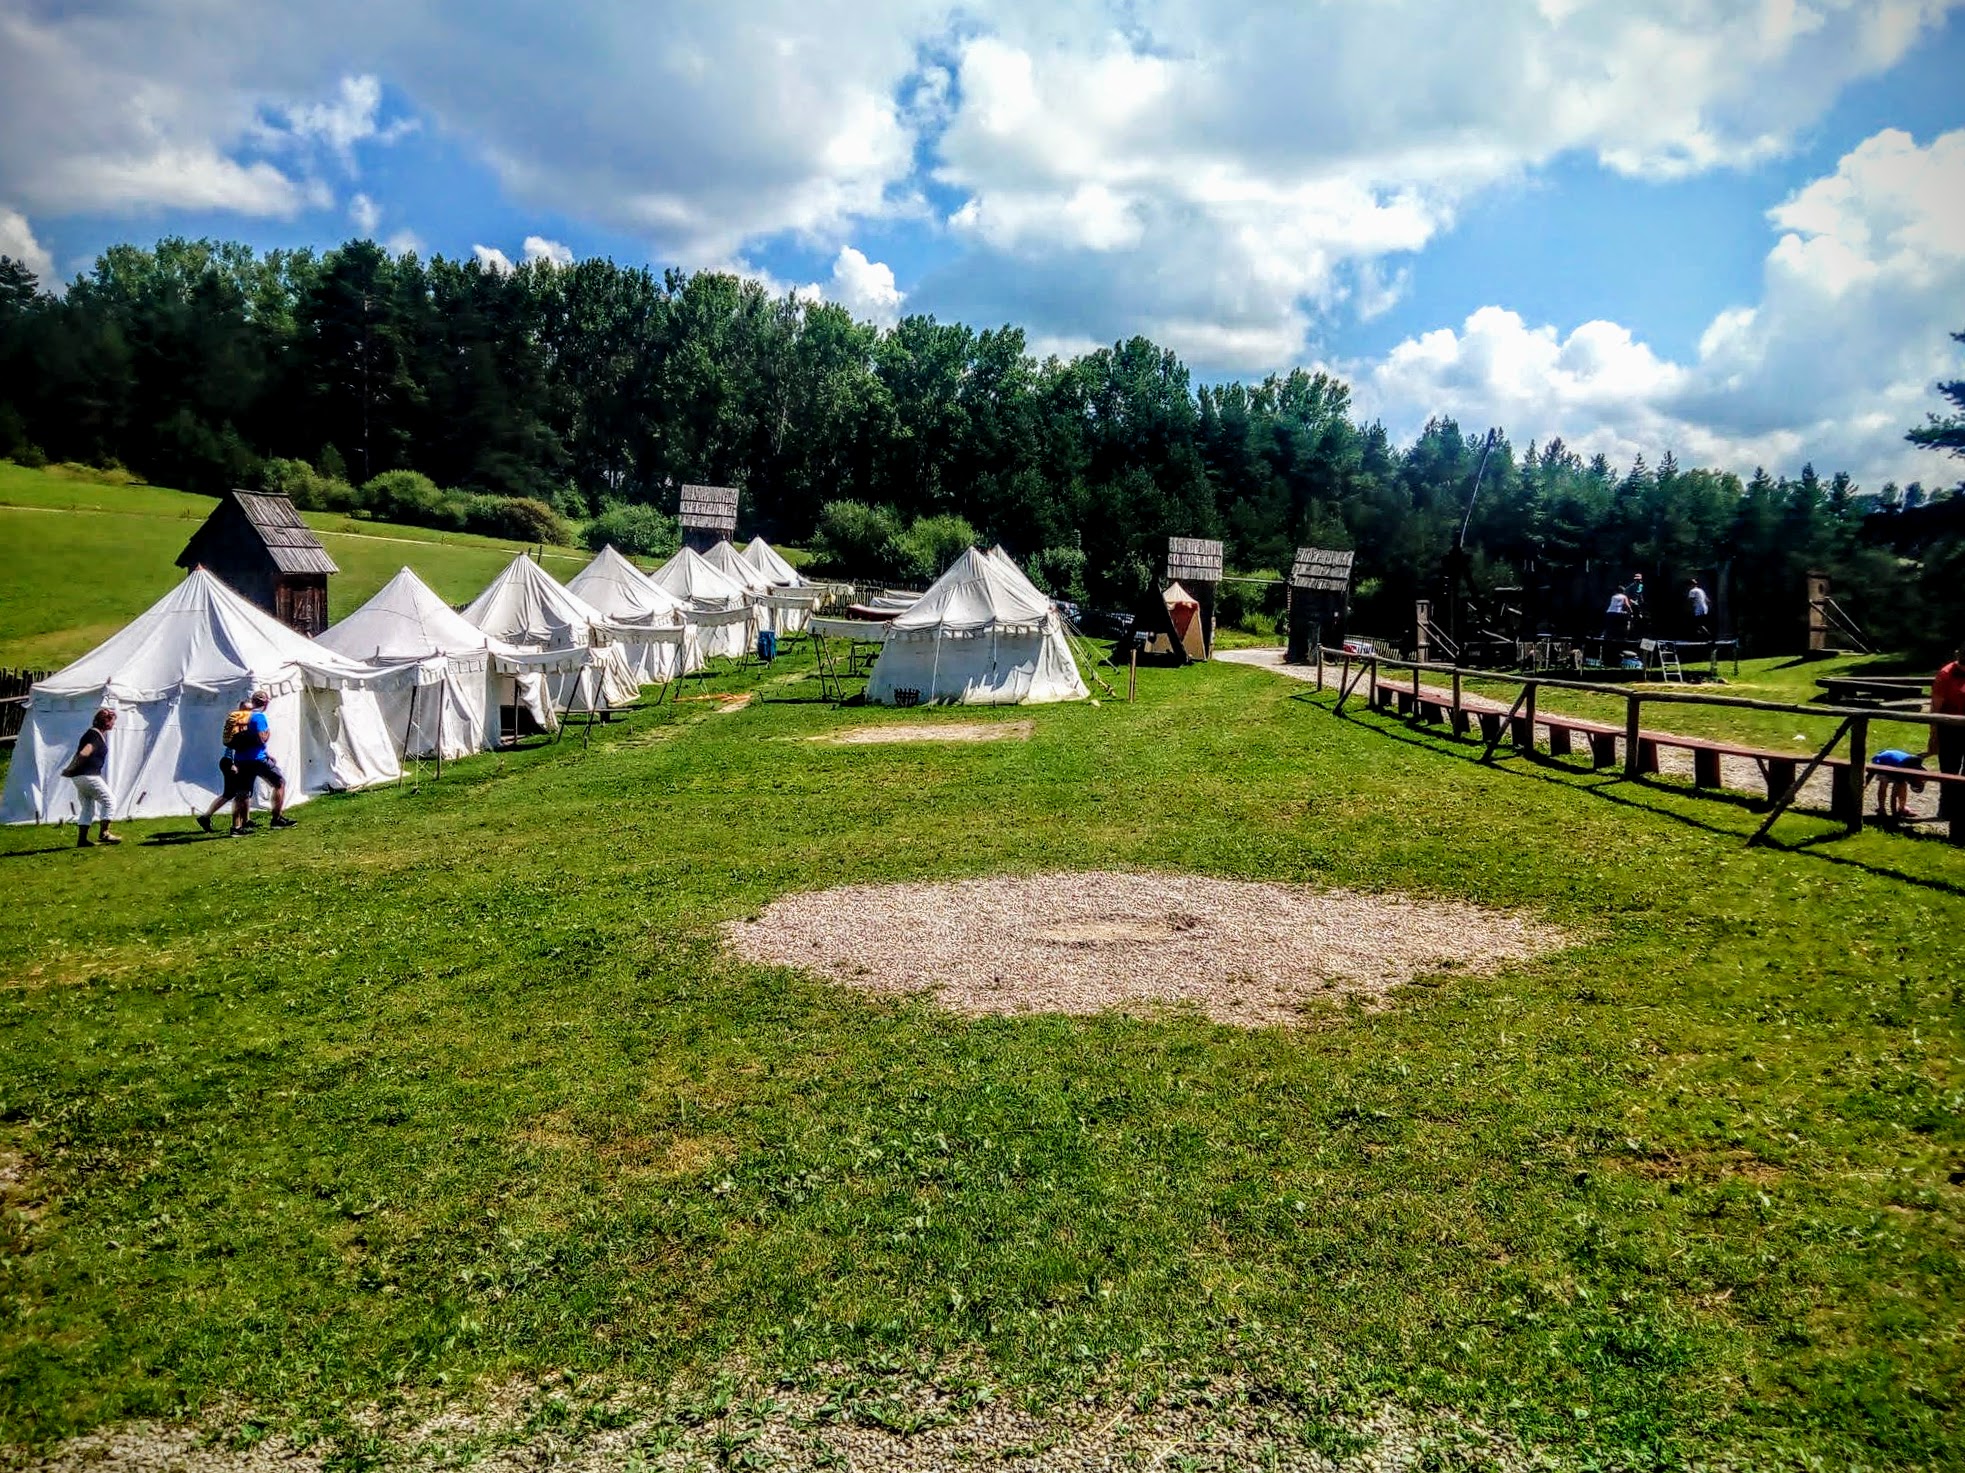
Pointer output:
x,y
89,767
1617,621
1948,699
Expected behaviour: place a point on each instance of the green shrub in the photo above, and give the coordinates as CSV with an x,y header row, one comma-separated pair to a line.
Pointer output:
x,y
413,498
634,528
1254,607
928,547
309,489
520,518
855,540
1060,572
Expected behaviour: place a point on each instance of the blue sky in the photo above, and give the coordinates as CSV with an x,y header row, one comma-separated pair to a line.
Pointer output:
x,y
1733,230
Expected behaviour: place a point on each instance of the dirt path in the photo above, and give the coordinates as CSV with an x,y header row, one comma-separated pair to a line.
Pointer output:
x,y
1736,774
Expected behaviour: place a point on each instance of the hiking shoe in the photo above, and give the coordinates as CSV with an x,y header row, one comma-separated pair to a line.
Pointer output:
x,y
109,838
239,830
204,821
85,843
283,822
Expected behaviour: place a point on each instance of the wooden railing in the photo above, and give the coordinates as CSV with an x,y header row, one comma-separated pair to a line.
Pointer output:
x,y
14,686
1356,672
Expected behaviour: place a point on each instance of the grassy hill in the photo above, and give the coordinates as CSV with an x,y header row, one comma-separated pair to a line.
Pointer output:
x,y
84,556
460,1091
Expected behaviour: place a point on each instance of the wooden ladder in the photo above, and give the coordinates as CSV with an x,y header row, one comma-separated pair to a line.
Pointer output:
x,y
1668,665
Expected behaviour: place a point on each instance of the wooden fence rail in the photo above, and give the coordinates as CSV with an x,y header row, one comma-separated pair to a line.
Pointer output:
x,y
1641,747
14,685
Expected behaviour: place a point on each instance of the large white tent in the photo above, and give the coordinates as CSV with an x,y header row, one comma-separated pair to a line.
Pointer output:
x,y
464,676
980,635
649,628
171,675
565,636
718,607
725,558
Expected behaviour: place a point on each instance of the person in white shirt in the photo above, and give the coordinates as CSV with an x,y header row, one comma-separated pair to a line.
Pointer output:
x,y
1617,619
1700,608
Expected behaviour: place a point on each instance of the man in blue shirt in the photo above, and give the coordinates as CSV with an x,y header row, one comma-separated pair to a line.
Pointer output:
x,y
256,763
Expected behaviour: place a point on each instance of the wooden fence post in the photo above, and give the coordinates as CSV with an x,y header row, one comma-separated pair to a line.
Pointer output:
x,y
1525,724
1854,787
1633,758
1320,665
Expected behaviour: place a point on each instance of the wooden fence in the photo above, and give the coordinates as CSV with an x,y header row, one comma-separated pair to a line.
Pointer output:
x,y
1785,772
14,685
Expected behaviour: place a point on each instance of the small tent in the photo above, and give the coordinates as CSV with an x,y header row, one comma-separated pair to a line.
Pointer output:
x,y
980,635
648,619
565,638
728,561
718,608
171,675
1184,620
454,706
762,556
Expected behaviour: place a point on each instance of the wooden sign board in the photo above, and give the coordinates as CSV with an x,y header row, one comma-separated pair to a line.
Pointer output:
x,y
1193,560
1322,570
708,508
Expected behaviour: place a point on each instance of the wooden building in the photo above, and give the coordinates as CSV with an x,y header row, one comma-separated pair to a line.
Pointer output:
x,y
1196,564
256,542
706,515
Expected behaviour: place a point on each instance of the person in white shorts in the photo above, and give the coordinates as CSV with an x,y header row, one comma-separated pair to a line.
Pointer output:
x,y
89,767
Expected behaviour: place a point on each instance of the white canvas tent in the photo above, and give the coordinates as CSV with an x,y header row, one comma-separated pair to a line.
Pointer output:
x,y
784,601
561,635
462,684
762,556
718,608
980,635
648,619
728,561
171,675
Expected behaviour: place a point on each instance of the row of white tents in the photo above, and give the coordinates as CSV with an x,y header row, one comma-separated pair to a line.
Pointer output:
x,y
403,676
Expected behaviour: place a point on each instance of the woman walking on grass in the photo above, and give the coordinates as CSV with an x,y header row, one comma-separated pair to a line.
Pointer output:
x,y
89,767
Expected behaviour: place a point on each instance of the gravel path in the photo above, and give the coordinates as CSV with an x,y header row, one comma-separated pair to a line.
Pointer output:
x,y
1242,952
1736,774
867,1429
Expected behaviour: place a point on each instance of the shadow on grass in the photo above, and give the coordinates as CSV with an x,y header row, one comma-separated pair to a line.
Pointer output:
x,y
1627,792
30,853
171,837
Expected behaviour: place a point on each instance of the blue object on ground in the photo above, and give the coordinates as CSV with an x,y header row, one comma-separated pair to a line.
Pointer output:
x,y
767,645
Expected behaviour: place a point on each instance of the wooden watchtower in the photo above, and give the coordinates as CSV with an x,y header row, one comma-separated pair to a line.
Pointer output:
x,y
256,542
1195,564
1319,594
706,515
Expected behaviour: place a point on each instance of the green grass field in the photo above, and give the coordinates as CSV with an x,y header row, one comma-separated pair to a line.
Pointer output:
x,y
87,556
453,1084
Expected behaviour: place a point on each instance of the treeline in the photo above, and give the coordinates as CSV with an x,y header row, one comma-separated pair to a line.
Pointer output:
x,y
553,395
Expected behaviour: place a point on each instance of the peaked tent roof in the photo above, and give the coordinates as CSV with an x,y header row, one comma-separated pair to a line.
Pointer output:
x,y
691,578
406,621
289,541
976,593
1009,566
730,562
762,556
203,635
526,604
621,591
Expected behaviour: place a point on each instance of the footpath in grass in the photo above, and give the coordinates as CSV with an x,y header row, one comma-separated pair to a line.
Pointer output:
x,y
453,1085
88,556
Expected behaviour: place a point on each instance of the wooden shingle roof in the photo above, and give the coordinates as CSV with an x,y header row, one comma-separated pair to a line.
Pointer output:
x,y
711,508
272,519
1193,560
1322,570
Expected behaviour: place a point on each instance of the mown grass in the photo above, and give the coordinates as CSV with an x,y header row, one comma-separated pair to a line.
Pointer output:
x,y
87,556
452,1083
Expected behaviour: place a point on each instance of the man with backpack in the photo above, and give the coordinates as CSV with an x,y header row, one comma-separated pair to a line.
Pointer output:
x,y
230,789
256,763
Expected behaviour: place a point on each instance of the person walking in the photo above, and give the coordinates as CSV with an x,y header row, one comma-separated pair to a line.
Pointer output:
x,y
256,764
89,767
230,790
1700,609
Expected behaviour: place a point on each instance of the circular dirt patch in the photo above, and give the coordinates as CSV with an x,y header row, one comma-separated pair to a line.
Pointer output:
x,y
1240,951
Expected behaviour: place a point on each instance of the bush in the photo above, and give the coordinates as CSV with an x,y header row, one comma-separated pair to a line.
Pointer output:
x,y
928,547
413,498
855,540
571,502
634,528
1254,607
310,490
521,518
1060,572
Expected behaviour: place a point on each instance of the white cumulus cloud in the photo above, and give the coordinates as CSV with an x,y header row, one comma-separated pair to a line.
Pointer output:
x,y
492,259
364,214
1833,363
538,248
17,240
866,288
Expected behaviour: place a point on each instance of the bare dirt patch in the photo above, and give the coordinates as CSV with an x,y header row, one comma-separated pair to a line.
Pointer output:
x,y
1240,951
940,731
